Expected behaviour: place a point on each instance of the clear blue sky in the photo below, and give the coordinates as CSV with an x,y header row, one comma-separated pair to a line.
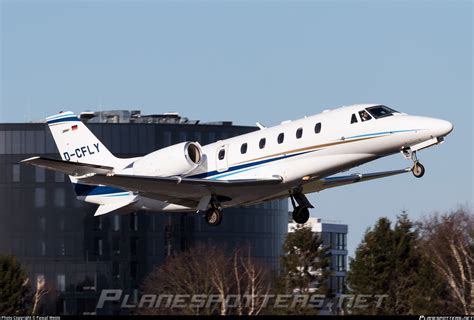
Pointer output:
x,y
258,61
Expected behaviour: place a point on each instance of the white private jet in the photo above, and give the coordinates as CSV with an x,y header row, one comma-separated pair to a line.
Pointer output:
x,y
288,160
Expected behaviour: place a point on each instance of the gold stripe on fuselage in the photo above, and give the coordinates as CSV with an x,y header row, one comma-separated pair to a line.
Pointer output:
x,y
305,149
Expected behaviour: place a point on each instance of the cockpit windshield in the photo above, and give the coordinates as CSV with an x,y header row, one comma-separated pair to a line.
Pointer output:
x,y
381,111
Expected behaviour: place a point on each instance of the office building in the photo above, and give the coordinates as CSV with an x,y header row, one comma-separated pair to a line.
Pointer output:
x,y
75,254
334,235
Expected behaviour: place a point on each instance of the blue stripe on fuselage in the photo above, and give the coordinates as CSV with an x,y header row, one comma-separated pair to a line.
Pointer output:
x,y
216,174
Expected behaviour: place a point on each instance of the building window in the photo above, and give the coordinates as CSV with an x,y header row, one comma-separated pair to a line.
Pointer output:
x,y
40,196
317,128
116,222
341,241
340,262
133,270
116,269
58,176
133,246
197,136
61,224
39,174
281,138
61,248
99,246
59,198
43,248
299,133
212,137
43,223
134,222
167,138
243,148
97,223
61,282
116,245
340,284
262,142
16,173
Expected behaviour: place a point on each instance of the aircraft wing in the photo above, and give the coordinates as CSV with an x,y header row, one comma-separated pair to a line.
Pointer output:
x,y
69,168
175,189
337,181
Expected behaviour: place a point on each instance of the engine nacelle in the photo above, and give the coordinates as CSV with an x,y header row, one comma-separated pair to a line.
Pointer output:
x,y
175,160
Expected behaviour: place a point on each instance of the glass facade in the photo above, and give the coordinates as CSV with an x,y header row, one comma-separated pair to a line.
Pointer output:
x,y
76,254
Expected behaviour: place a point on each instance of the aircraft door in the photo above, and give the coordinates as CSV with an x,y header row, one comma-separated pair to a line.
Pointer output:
x,y
222,157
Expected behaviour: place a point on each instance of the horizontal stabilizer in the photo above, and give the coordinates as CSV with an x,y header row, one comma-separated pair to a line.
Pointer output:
x,y
69,168
106,208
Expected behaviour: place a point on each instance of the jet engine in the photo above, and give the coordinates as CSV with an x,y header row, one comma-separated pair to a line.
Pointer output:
x,y
175,160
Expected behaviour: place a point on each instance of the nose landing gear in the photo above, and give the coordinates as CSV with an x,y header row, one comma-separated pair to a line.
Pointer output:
x,y
301,211
418,169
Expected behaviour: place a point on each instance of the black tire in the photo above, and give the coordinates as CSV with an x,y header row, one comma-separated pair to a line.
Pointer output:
x,y
213,217
301,215
418,170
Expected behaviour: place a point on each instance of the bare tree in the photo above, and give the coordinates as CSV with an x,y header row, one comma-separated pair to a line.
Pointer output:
x,y
208,270
255,280
183,273
41,290
448,240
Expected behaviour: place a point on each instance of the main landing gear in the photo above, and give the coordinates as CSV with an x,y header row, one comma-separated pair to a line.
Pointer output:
x,y
301,211
213,215
418,169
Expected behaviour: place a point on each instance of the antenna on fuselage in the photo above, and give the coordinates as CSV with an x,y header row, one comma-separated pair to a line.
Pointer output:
x,y
260,126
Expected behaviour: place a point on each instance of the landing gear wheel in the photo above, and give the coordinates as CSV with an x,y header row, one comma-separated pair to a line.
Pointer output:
x,y
301,215
418,169
213,216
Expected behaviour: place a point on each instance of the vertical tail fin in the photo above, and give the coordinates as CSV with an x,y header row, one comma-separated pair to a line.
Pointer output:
x,y
76,142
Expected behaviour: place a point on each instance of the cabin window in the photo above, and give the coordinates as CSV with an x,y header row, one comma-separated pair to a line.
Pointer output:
x,y
364,115
380,111
317,128
281,137
299,133
221,154
261,144
243,148
353,118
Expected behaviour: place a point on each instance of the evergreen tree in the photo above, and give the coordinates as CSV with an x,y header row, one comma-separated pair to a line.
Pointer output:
x,y
305,267
390,261
14,288
372,268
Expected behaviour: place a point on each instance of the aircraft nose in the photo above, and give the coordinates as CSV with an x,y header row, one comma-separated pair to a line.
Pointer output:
x,y
442,127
